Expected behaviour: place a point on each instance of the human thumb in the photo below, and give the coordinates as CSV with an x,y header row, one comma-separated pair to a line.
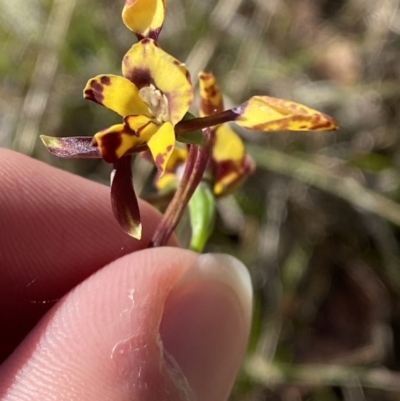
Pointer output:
x,y
159,324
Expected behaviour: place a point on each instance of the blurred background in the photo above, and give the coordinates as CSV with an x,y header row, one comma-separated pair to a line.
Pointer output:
x,y
318,224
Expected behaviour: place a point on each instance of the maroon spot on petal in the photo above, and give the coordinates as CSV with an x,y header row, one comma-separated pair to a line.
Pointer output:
x,y
169,148
160,159
146,41
97,97
128,130
211,90
239,173
223,168
109,145
142,77
97,86
88,94
139,76
154,33
105,80
208,108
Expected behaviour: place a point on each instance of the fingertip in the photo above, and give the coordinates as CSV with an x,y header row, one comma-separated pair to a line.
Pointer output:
x,y
206,324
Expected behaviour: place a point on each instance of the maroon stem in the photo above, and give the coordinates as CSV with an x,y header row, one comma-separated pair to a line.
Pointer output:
x,y
205,122
194,170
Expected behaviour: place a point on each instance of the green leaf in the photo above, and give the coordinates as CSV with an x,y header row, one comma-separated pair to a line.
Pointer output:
x,y
193,137
202,215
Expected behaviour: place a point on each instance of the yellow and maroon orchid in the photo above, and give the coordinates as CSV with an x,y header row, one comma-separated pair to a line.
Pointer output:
x,y
153,96
229,164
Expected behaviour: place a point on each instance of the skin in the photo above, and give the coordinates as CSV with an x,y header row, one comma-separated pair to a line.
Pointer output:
x,y
87,313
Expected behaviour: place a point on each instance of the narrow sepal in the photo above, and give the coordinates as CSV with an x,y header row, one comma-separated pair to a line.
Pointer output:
x,y
123,198
265,113
211,101
71,147
202,216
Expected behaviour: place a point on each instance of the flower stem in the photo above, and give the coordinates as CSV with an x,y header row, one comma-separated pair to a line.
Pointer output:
x,y
205,122
194,170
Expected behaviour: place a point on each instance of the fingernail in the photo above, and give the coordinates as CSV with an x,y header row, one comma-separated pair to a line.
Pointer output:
x,y
206,323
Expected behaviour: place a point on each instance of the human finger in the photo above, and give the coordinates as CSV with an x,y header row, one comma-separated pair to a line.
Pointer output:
x,y
159,324
55,230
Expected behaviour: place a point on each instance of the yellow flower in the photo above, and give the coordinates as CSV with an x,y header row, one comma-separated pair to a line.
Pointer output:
x,y
153,95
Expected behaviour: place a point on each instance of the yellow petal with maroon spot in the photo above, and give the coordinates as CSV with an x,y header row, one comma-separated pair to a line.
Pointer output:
x,y
116,93
120,139
146,64
265,113
143,127
211,101
231,164
144,17
161,146
176,162
228,145
230,175
178,156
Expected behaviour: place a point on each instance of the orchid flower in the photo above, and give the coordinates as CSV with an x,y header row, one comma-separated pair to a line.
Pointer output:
x,y
153,97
